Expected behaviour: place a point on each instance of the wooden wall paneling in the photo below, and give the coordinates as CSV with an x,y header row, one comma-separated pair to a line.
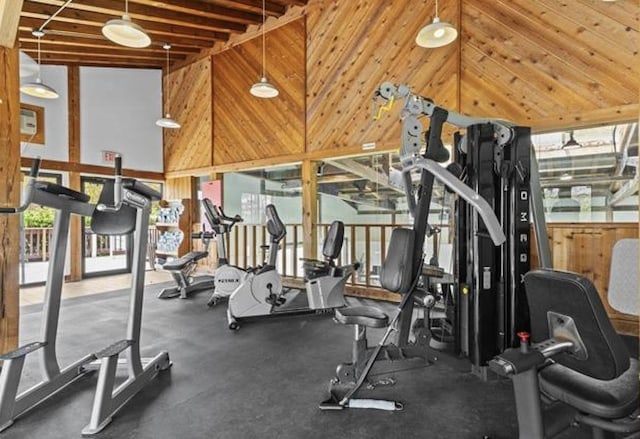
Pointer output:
x,y
249,128
550,64
190,104
178,188
586,249
355,46
10,184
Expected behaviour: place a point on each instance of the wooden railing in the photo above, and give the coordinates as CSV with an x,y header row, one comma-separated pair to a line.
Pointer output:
x,y
37,243
365,243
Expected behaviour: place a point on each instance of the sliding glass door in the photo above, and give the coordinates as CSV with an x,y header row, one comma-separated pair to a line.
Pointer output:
x,y
102,254
36,228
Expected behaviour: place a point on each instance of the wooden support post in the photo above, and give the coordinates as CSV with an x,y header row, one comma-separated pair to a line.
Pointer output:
x,y
309,209
10,183
9,17
76,231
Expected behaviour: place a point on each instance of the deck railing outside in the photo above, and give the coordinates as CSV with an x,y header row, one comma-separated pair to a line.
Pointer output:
x,y
365,243
247,247
37,243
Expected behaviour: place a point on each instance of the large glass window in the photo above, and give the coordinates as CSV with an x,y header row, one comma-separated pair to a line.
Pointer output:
x,y
591,174
247,194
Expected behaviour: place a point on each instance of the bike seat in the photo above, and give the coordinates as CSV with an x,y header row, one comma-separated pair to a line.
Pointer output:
x,y
180,263
368,316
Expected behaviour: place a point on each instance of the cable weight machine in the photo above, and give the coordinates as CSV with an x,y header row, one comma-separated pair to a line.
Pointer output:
x,y
496,160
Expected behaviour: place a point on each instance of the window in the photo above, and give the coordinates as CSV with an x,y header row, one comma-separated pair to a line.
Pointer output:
x,y
589,175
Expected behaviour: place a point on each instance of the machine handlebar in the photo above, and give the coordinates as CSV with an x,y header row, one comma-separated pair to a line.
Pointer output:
x,y
231,220
29,189
117,188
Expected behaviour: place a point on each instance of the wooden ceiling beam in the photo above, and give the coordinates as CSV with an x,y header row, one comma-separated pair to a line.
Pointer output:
x,y
32,46
99,42
206,10
164,36
72,56
140,14
9,17
271,8
62,59
96,20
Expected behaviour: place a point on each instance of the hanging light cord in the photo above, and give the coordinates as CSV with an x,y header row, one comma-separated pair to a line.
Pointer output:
x,y
168,47
264,62
48,20
437,9
39,55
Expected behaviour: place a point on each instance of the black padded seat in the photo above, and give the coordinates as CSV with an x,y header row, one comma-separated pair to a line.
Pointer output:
x,y
362,315
607,399
180,263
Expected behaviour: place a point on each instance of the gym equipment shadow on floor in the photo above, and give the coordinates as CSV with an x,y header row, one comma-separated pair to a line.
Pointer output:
x,y
265,381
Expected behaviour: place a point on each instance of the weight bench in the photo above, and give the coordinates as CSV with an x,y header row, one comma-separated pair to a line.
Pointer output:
x,y
181,270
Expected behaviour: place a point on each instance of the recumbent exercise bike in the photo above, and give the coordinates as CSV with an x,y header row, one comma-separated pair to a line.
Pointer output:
x,y
259,291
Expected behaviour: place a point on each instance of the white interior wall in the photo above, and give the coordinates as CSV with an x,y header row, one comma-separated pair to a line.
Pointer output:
x,y
56,129
118,110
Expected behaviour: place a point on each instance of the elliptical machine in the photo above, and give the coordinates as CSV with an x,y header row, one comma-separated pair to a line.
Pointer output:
x,y
259,291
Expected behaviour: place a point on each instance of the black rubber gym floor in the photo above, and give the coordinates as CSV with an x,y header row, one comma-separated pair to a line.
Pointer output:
x,y
264,381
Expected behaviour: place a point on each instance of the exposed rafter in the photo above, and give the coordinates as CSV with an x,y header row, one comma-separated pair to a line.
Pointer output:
x,y
74,35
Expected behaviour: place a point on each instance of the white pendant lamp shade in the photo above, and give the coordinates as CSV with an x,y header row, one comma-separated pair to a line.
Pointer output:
x,y
28,66
264,89
125,32
167,121
437,33
37,88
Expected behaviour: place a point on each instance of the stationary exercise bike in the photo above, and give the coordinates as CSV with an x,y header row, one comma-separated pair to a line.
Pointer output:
x,y
259,291
227,277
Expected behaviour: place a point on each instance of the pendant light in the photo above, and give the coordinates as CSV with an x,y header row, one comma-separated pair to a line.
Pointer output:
x,y
37,88
125,32
264,89
167,121
437,33
572,143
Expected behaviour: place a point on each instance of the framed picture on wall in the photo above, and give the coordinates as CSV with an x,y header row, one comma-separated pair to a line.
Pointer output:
x,y
31,123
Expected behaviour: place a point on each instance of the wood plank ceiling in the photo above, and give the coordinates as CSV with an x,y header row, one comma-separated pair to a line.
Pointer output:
x,y
74,35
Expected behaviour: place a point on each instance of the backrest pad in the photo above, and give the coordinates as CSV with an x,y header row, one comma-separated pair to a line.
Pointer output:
x,y
121,222
396,274
275,226
333,241
575,296
210,213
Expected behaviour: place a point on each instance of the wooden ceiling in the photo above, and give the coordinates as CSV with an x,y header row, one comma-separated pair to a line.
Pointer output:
x,y
74,35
